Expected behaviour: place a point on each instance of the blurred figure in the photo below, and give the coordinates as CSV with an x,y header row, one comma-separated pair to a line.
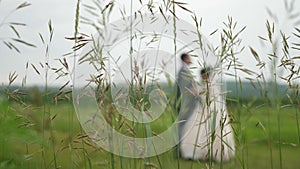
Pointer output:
x,y
187,91
209,134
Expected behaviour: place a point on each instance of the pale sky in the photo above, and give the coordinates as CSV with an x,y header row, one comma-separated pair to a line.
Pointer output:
x,y
251,13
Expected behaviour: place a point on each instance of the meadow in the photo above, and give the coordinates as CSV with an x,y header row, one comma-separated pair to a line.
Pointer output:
x,y
50,136
40,129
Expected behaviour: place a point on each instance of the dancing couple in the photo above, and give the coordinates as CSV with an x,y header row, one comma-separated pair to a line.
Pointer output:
x,y
204,129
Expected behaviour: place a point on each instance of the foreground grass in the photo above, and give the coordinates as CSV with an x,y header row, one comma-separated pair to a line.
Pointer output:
x,y
25,144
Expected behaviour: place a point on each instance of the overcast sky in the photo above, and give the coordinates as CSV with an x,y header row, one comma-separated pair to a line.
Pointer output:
x,y
250,13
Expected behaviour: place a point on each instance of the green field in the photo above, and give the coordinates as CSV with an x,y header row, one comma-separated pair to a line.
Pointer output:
x,y
39,128
30,139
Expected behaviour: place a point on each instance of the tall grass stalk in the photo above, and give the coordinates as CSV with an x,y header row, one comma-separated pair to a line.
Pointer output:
x,y
177,149
275,100
176,69
131,56
297,120
76,41
270,141
229,50
295,71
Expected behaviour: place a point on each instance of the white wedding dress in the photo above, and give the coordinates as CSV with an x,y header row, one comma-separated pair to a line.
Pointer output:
x,y
207,132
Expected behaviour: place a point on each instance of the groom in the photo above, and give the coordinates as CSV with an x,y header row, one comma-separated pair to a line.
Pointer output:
x,y
188,92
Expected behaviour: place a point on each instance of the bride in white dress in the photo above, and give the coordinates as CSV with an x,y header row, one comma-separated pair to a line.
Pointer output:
x,y
207,132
